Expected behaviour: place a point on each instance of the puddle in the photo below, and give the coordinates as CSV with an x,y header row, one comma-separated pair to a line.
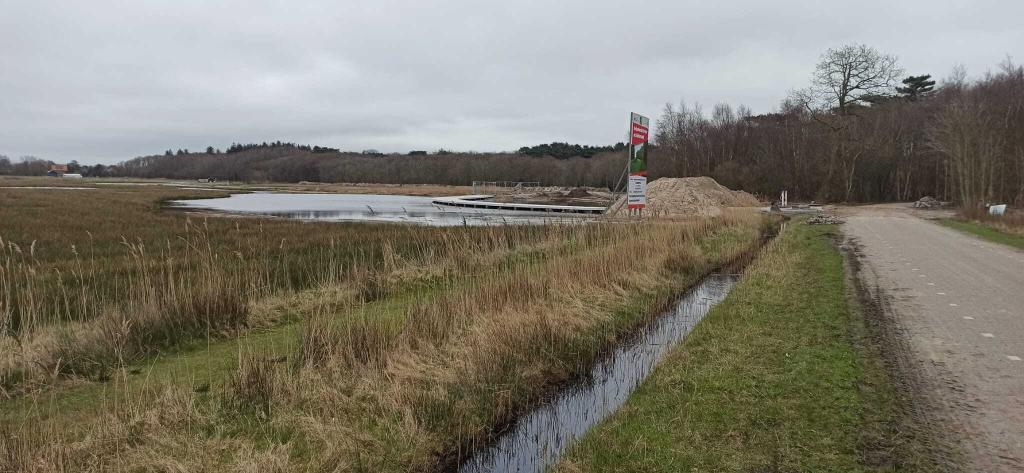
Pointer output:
x,y
367,208
538,439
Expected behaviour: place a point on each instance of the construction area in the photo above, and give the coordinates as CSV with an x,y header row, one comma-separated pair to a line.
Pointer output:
x,y
666,197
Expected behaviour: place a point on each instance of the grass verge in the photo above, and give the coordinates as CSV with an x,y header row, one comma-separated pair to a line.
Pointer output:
x,y
986,232
781,376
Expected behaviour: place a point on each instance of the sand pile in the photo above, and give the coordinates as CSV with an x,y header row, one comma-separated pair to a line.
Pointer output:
x,y
578,192
690,196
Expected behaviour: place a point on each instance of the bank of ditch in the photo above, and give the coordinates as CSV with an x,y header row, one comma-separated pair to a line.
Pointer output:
x,y
785,375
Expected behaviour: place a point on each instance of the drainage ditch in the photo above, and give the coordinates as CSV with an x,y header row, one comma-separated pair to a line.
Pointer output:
x,y
539,438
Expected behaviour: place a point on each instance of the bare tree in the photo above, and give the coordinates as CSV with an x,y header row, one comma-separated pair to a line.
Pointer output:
x,y
957,79
722,115
853,74
967,132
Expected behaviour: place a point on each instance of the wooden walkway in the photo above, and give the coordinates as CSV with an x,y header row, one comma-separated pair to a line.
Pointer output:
x,y
482,201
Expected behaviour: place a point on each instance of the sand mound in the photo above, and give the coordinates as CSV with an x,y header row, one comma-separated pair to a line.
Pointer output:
x,y
578,192
690,196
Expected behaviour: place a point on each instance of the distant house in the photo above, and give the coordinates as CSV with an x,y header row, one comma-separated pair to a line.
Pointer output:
x,y
372,152
57,170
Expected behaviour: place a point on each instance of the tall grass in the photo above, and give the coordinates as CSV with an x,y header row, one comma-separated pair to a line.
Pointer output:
x,y
87,316
410,388
461,364
414,342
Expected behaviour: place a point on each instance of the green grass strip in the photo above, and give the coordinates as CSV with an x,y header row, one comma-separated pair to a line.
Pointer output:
x,y
986,232
772,380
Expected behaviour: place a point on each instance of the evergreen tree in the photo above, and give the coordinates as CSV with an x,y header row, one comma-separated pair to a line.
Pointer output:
x,y
916,87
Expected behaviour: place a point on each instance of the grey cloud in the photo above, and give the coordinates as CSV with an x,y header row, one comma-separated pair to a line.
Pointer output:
x,y
104,81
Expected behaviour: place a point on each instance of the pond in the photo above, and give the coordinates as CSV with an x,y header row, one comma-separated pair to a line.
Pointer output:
x,y
367,208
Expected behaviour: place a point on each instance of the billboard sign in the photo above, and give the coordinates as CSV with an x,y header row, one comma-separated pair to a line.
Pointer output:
x,y
639,128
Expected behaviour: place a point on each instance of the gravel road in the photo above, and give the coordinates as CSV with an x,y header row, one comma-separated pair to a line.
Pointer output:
x,y
960,301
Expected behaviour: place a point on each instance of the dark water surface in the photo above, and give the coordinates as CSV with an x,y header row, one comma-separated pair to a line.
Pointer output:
x,y
538,439
367,208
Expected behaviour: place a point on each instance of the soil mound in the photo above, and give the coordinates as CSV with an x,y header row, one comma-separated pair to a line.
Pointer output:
x,y
927,202
578,192
690,196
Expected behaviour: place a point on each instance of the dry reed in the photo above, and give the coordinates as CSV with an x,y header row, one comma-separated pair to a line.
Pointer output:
x,y
484,323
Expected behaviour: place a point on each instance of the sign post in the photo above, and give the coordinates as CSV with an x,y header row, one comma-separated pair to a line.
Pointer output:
x,y
636,195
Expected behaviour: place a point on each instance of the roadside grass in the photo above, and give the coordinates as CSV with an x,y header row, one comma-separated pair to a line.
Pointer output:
x,y
781,376
986,231
436,367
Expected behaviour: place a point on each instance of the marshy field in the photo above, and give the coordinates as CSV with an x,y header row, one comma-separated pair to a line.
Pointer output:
x,y
141,338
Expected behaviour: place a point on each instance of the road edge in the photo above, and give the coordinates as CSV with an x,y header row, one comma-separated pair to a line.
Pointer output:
x,y
917,436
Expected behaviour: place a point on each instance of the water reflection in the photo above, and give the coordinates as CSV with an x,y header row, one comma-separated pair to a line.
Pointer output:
x,y
539,438
367,208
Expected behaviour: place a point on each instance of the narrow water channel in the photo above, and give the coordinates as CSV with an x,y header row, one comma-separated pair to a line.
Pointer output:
x,y
538,439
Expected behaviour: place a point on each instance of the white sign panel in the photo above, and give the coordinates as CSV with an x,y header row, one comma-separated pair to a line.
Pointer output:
x,y
637,192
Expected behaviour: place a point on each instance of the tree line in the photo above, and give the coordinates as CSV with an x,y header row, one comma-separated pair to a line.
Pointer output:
x,y
861,131
566,150
34,166
288,164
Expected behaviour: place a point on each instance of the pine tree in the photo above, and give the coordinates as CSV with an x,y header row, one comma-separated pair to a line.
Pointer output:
x,y
916,87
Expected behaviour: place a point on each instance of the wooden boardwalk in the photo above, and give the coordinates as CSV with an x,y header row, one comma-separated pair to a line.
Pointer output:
x,y
482,201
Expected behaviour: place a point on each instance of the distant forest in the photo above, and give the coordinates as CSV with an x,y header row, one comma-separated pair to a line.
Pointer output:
x,y
292,164
861,131
566,150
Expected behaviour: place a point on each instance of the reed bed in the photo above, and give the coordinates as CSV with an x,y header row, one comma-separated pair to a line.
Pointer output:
x,y
408,356
411,345
80,301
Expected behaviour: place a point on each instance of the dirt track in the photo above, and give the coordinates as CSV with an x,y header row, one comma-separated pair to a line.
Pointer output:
x,y
960,303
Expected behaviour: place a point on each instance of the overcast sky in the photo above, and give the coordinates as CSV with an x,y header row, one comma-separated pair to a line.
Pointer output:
x,y
104,81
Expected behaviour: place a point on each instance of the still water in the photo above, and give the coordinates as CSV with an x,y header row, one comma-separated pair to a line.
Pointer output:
x,y
538,439
366,208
